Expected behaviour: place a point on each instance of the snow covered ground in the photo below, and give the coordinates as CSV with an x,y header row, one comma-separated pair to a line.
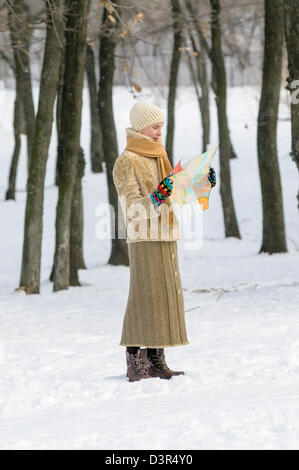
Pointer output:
x,y
62,371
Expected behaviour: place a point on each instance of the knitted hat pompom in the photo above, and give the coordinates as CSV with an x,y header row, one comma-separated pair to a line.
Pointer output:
x,y
145,114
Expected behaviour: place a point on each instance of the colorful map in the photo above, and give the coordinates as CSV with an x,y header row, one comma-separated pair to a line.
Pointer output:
x,y
191,182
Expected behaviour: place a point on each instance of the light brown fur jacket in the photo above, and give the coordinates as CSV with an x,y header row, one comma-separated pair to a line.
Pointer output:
x,y
135,178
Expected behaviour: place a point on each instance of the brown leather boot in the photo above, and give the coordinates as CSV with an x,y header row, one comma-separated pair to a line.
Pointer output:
x,y
156,365
136,365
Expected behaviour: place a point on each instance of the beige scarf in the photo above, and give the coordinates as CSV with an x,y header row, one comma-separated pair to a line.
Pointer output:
x,y
149,148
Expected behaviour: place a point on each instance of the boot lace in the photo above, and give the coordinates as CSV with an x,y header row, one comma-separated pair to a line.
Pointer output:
x,y
143,365
139,362
160,361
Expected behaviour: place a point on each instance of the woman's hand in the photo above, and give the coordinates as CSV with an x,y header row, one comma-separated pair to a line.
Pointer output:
x,y
212,177
163,191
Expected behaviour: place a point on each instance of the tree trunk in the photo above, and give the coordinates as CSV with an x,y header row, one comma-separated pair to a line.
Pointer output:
x,y
59,104
76,234
194,79
76,226
174,69
204,46
96,140
30,272
18,130
203,100
274,240
119,253
75,56
20,39
291,8
219,78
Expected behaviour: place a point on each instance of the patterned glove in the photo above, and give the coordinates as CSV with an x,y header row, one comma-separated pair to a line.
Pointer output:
x,y
212,177
163,191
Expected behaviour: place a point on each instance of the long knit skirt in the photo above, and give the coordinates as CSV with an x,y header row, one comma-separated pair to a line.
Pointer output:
x,y
154,316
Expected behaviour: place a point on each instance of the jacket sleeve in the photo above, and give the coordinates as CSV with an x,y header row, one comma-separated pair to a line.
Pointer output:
x,y
133,204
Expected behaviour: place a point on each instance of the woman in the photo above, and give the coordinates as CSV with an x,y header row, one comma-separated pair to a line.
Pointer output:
x,y
154,317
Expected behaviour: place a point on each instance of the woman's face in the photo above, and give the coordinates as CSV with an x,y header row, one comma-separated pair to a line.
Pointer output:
x,y
154,131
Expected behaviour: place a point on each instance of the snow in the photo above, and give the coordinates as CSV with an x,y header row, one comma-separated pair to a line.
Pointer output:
x,y
62,371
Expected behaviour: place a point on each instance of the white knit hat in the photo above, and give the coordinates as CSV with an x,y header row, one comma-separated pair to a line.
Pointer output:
x,y
145,114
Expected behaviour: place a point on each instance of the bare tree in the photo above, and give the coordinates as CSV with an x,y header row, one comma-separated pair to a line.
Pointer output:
x,y
76,221
19,128
96,139
202,71
291,8
76,225
200,74
59,110
219,79
174,68
30,271
69,145
108,40
274,240
20,25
